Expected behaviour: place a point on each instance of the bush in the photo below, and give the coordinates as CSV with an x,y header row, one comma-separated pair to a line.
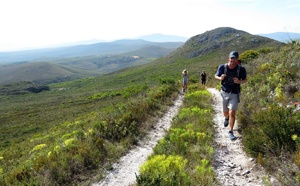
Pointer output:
x,y
272,131
163,170
248,55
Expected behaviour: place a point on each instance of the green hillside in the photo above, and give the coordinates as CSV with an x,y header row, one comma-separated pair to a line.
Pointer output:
x,y
55,67
109,63
101,48
42,72
79,128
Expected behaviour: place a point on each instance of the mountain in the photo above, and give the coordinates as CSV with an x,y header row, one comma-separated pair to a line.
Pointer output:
x,y
201,52
103,58
69,63
283,36
102,48
219,42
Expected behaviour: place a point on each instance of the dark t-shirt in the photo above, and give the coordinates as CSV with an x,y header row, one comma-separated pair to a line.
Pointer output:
x,y
203,76
227,84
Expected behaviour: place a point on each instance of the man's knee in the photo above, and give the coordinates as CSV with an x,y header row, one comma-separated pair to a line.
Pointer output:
x,y
232,113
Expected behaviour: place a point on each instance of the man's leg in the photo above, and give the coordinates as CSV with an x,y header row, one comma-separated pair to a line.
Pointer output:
x,y
225,101
231,119
233,105
226,114
226,120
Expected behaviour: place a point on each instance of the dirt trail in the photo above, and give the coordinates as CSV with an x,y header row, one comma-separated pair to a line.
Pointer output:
x,y
231,164
123,173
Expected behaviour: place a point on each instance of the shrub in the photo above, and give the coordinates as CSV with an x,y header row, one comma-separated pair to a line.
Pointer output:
x,y
163,170
37,88
204,172
169,81
272,131
248,55
134,90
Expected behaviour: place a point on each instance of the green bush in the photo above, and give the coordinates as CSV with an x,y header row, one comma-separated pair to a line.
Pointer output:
x,y
177,141
163,170
169,81
272,131
248,55
134,90
204,172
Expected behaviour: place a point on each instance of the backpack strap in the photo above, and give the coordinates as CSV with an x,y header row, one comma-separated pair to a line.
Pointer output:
x,y
237,71
225,68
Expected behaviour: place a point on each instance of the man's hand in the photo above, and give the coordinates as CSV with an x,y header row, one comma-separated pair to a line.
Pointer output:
x,y
237,81
222,77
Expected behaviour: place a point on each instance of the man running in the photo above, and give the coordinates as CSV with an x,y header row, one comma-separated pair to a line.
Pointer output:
x,y
231,76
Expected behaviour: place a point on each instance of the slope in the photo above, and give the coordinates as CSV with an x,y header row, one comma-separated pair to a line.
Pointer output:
x,y
101,48
41,72
81,61
201,52
72,108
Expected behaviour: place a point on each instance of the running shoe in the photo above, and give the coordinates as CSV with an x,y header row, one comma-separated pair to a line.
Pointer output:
x,y
226,122
231,136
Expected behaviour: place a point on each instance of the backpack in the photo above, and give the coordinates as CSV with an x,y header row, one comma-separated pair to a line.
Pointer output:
x,y
237,71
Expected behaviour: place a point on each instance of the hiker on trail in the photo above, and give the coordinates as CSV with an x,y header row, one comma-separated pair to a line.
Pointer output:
x,y
231,76
203,78
185,80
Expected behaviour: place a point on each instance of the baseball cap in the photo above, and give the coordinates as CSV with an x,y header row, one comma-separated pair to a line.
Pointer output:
x,y
234,54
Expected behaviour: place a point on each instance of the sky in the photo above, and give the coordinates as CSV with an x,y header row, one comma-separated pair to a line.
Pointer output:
x,y
41,23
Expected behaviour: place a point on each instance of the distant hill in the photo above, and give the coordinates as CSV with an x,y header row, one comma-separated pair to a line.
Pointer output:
x,y
41,72
283,36
102,48
199,52
110,63
221,41
69,63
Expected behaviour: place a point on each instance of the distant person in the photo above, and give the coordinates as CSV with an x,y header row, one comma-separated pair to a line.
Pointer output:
x,y
203,78
231,76
185,80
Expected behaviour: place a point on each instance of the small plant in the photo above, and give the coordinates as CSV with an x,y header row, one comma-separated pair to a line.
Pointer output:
x,y
163,170
204,172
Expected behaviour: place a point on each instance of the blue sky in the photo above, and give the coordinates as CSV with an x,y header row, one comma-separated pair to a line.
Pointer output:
x,y
42,23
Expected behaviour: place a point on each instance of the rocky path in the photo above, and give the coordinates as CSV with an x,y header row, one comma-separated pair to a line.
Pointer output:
x,y
232,166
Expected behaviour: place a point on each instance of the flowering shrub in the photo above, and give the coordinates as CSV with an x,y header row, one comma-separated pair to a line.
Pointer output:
x,y
164,170
39,147
193,111
199,93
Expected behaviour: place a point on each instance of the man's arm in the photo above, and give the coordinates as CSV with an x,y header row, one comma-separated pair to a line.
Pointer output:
x,y
219,75
244,76
239,81
221,78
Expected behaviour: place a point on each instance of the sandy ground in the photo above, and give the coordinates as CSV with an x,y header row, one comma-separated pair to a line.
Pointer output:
x,y
231,164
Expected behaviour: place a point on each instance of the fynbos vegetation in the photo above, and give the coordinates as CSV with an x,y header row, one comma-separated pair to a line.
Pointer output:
x,y
269,116
79,128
